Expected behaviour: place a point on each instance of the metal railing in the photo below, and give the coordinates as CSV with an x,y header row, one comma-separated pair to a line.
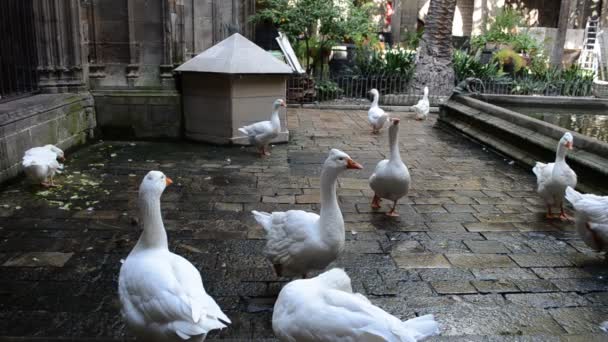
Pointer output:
x,y
353,90
18,60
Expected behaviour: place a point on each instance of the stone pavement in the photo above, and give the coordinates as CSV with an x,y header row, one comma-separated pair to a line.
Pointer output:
x,y
471,246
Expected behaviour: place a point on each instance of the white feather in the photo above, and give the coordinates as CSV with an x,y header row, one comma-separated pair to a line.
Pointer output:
x,y
325,309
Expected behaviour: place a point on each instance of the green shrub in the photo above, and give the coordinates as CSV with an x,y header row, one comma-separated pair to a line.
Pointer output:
x,y
508,56
389,62
468,66
327,90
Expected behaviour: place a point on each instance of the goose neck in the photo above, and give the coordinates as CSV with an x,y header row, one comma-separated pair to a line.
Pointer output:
x,y
154,234
394,144
331,222
375,101
274,118
560,156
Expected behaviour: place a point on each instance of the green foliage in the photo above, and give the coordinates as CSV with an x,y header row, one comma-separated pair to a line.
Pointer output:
x,y
502,31
508,56
327,90
320,23
411,40
468,66
551,81
389,62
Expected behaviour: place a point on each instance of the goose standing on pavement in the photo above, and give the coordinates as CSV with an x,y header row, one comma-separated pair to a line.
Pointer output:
x,y
376,115
162,294
591,218
40,164
423,106
261,133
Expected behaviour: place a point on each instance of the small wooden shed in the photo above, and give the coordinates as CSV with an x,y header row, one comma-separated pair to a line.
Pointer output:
x,y
229,85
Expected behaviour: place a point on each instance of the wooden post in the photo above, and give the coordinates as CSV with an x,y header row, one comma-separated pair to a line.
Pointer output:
x,y
560,39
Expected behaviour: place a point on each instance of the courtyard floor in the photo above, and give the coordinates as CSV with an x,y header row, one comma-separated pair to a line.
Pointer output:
x,y
471,246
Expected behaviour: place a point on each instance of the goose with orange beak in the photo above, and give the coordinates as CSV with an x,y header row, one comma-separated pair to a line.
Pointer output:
x,y
261,133
161,293
299,242
553,178
391,178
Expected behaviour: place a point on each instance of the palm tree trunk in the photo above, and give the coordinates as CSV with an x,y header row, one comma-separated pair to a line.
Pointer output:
x,y
434,61
560,39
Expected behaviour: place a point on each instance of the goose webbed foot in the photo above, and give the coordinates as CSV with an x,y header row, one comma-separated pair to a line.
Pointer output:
x,y
376,202
392,212
565,217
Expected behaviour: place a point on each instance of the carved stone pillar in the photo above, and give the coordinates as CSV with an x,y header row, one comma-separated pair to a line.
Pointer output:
x,y
132,72
173,39
59,44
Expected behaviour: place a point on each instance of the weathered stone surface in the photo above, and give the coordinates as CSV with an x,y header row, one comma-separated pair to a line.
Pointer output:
x,y
419,263
540,260
421,260
39,259
453,287
547,300
480,260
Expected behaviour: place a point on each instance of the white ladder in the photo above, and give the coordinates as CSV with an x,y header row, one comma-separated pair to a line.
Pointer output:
x,y
587,58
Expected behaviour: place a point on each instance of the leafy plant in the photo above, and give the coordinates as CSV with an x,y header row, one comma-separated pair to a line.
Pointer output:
x,y
508,56
327,90
469,66
319,23
389,62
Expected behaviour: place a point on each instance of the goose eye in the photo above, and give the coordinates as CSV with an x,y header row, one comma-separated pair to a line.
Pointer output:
x,y
340,158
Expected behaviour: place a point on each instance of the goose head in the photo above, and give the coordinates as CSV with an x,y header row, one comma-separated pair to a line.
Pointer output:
x,y
340,161
57,151
567,141
278,103
426,91
374,92
154,183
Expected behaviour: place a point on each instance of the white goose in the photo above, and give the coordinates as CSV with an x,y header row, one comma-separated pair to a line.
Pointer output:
x,y
423,106
324,308
300,241
553,178
591,218
41,164
376,115
391,178
261,133
162,294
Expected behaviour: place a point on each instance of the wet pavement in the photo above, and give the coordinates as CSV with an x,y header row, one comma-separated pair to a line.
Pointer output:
x,y
471,245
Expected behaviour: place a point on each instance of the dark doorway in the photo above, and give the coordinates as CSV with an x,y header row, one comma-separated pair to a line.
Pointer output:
x,y
18,60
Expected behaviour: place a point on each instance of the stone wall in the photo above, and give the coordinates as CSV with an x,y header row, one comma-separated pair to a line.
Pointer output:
x,y
65,120
126,114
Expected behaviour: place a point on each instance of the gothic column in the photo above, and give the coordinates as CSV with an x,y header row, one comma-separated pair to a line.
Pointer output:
x,y
173,39
59,44
132,72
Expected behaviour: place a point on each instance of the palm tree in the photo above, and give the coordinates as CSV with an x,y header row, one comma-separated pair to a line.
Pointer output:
x,y
434,60
562,28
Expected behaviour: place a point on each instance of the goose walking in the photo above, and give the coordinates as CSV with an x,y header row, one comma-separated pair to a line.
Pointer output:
x,y
324,308
376,115
553,178
261,133
300,241
591,218
423,106
42,163
391,178
162,294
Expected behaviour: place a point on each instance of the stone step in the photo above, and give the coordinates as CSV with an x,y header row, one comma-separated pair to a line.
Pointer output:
x,y
523,143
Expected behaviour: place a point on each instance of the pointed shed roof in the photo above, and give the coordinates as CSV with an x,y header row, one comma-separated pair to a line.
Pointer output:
x,y
236,55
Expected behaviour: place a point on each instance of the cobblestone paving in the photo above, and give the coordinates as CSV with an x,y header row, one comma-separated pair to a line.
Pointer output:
x,y
471,246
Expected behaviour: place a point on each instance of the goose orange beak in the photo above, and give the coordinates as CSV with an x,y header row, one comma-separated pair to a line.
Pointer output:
x,y
283,104
569,145
168,181
61,159
395,121
351,164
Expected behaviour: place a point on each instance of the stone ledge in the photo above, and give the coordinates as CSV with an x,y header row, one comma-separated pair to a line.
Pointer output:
x,y
524,139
